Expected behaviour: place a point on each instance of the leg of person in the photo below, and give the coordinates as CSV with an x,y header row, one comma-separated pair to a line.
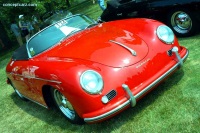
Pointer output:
x,y
27,37
19,40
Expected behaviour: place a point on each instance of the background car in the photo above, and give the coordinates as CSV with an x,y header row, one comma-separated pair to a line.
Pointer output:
x,y
93,71
181,15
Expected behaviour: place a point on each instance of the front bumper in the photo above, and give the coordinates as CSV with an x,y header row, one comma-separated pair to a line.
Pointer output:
x,y
133,98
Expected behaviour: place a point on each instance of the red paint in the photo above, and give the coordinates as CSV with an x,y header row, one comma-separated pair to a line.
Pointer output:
x,y
91,50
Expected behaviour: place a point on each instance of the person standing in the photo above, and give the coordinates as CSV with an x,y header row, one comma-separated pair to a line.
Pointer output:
x,y
35,23
24,27
15,29
30,28
101,4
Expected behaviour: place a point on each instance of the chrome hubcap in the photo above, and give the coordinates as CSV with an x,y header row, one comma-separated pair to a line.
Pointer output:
x,y
64,105
181,22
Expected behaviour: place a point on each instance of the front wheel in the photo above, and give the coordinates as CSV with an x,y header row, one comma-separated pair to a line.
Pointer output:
x,y
182,22
66,107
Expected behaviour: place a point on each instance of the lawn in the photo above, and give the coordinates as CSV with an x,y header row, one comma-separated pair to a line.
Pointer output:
x,y
173,107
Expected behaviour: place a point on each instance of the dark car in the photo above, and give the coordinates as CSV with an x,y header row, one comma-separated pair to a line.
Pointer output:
x,y
181,15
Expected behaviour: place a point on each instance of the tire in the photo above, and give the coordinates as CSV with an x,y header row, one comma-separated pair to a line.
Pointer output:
x,y
182,22
66,107
18,93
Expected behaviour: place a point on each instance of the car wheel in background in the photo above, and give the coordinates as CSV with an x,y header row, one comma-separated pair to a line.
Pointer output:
x,y
182,22
66,107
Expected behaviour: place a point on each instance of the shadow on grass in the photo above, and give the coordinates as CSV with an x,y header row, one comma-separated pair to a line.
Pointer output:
x,y
54,118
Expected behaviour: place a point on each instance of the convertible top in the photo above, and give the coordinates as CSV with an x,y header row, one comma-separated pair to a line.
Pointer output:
x,y
20,53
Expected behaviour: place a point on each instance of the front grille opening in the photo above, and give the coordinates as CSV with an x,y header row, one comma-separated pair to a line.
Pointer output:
x,y
111,94
169,52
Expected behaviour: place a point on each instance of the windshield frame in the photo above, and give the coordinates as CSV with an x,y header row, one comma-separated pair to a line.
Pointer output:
x,y
67,18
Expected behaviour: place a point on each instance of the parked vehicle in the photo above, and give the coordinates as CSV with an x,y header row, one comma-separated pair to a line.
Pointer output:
x,y
180,15
93,71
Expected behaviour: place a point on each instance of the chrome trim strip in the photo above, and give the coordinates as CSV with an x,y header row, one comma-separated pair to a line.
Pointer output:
x,y
126,47
120,107
29,77
53,81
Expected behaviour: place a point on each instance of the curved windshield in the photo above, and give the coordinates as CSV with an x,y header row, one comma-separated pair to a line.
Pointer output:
x,y
57,32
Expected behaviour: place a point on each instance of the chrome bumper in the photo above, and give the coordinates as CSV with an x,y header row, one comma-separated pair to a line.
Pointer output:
x,y
132,98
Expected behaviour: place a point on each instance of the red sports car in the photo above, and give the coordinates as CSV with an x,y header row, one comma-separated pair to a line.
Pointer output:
x,y
92,71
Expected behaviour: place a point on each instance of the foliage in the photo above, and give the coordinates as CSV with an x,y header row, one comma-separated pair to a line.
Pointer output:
x,y
31,7
12,8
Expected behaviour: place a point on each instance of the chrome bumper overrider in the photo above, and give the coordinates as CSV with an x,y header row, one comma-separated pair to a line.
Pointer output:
x,y
132,98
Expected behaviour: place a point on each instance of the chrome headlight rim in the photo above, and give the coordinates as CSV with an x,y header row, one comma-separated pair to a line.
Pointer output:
x,y
165,34
97,76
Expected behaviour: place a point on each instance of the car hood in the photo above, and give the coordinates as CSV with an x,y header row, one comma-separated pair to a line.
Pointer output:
x,y
103,44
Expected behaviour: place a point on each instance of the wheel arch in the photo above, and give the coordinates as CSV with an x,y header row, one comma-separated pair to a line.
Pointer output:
x,y
46,92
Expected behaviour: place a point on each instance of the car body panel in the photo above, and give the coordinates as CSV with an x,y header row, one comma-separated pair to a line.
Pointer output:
x,y
62,65
92,50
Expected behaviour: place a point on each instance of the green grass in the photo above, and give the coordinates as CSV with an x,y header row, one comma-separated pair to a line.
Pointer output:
x,y
174,106
87,8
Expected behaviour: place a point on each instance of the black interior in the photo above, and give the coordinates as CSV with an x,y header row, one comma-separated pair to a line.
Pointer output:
x,y
20,53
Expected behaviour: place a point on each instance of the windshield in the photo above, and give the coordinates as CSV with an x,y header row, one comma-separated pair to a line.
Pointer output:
x,y
56,32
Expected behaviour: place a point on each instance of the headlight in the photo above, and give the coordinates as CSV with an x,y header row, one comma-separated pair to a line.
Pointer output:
x,y
165,34
91,82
